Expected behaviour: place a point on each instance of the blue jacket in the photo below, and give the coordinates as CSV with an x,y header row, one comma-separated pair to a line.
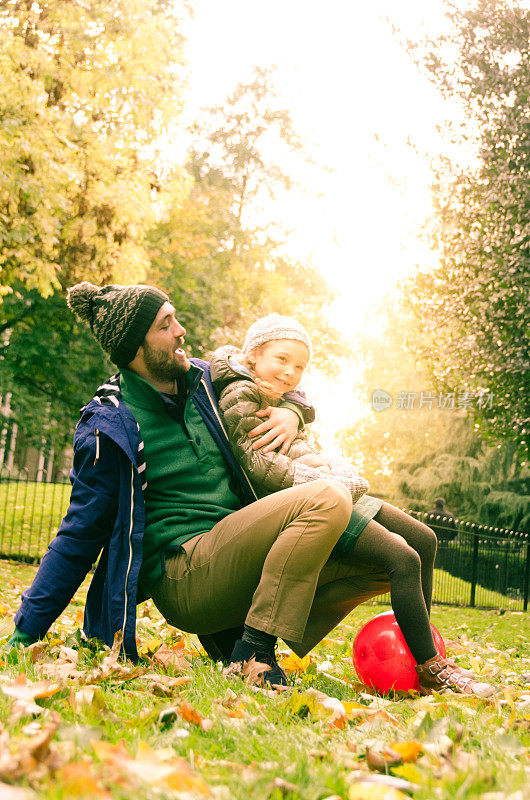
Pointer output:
x,y
106,515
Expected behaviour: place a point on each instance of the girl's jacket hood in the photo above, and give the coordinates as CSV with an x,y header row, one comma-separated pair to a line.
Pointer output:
x,y
239,400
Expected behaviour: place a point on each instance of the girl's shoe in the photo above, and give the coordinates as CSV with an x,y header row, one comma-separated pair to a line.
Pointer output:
x,y
468,673
438,674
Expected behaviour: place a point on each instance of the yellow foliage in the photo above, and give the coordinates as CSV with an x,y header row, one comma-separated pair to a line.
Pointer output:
x,y
409,751
292,663
362,790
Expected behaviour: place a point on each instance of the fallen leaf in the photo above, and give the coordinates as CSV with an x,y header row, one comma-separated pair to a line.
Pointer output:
x,y
292,663
164,685
23,759
79,780
149,647
88,696
409,772
409,751
153,767
362,790
440,747
251,670
372,715
285,787
8,792
63,666
23,689
111,667
172,656
381,761
350,706
189,714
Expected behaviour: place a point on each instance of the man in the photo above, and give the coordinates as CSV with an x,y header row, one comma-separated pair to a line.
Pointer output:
x,y
159,497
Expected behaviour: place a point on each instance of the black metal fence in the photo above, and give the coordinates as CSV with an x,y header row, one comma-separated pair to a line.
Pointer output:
x,y
30,513
481,566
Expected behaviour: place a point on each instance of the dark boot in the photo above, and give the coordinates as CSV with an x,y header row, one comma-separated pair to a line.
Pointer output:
x,y
241,655
219,645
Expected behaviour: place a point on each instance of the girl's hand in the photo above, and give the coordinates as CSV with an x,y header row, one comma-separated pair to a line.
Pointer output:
x,y
279,428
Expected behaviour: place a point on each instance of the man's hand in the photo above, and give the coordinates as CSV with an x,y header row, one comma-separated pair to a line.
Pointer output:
x,y
280,427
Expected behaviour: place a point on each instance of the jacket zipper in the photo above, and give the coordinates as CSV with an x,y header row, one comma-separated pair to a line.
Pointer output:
x,y
212,403
96,433
130,551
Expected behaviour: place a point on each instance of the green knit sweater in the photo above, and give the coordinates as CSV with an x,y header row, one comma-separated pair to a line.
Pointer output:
x,y
188,481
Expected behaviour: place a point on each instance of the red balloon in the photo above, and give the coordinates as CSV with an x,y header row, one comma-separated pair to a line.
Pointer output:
x,y
381,657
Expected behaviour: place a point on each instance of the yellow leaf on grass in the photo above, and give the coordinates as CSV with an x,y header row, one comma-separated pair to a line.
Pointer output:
x,y
105,751
292,663
149,647
154,767
409,751
408,772
350,706
77,779
361,790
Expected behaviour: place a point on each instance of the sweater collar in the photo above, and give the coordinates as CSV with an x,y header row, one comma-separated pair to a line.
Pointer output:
x,y
143,394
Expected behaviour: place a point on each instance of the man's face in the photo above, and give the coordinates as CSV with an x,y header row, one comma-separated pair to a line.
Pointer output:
x,y
162,347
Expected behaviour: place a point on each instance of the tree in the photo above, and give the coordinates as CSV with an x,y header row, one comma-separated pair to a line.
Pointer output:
x,y
475,306
50,366
77,112
79,182
426,443
223,269
230,144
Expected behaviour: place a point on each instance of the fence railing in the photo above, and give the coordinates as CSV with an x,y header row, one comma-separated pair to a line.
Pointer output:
x,y
30,513
480,566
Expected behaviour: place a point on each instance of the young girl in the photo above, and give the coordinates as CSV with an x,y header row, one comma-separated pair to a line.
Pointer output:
x,y
275,354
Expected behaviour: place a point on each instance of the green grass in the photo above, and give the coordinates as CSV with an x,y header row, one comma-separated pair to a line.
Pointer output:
x,y
256,738
455,591
30,514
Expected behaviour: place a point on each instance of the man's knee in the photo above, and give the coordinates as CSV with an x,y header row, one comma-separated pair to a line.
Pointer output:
x,y
337,499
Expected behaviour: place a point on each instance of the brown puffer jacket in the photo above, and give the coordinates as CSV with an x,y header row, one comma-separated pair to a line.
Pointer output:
x,y
239,400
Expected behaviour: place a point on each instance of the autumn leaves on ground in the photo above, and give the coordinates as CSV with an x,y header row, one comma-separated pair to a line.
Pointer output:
x,y
76,722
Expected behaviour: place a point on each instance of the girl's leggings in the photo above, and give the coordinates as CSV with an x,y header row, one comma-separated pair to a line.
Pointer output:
x,y
404,548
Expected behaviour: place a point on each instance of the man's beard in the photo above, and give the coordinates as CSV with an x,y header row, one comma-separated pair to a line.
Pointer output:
x,y
162,365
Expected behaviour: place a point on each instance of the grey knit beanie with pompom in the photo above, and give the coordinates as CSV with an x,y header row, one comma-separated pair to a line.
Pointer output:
x,y
119,316
272,327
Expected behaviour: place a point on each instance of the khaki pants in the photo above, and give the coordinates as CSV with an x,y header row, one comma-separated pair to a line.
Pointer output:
x,y
269,565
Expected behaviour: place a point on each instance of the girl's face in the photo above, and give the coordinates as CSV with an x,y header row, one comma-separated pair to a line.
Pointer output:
x,y
281,363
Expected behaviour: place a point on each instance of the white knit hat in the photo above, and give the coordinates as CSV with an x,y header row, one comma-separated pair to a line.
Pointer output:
x,y
272,327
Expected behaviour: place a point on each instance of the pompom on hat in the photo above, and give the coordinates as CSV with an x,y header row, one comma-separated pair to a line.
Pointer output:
x,y
272,327
119,316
